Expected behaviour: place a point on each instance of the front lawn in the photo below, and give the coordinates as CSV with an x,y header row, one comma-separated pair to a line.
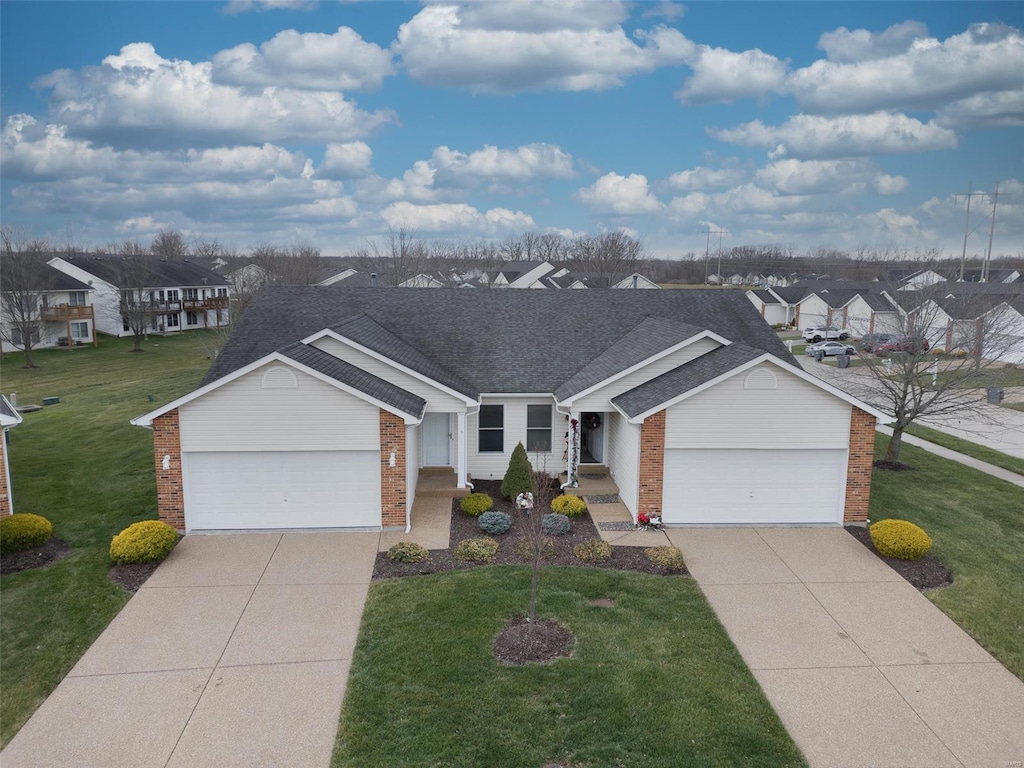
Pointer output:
x,y
83,466
968,448
653,681
991,376
977,530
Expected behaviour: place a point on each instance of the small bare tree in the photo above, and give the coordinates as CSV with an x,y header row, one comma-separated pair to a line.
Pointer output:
x,y
134,275
543,493
21,295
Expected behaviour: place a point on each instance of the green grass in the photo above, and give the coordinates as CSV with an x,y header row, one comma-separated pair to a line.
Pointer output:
x,y
993,376
966,447
83,466
653,681
977,530
1014,406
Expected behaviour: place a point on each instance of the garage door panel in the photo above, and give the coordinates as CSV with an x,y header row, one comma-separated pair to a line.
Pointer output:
x,y
283,489
753,487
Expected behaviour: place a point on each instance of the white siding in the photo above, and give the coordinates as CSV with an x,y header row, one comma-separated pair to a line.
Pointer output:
x,y
243,416
412,464
436,399
624,458
813,311
858,318
492,466
796,414
599,399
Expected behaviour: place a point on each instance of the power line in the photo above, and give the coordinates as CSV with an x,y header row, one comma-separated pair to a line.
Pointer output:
x,y
991,231
968,194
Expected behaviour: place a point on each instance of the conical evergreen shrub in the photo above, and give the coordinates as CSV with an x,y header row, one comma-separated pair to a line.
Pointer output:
x,y
518,476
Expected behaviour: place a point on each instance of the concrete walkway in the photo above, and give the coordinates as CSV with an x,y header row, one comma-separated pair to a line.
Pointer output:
x,y
969,461
861,667
234,653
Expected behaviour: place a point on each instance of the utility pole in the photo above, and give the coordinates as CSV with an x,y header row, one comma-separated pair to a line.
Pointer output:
x,y
967,223
991,231
707,253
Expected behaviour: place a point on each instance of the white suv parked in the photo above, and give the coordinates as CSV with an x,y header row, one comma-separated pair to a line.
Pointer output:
x,y
825,333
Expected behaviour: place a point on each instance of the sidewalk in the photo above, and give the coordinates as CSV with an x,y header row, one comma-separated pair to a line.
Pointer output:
x,y
969,461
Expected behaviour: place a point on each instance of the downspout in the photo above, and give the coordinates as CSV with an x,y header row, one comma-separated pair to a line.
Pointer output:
x,y
464,449
572,454
408,507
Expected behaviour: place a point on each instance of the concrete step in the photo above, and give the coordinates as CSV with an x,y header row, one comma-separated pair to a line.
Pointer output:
x,y
436,482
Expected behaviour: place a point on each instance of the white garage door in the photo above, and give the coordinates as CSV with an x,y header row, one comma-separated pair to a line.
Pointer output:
x,y
743,486
283,489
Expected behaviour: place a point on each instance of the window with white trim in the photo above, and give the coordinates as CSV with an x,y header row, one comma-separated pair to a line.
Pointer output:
x,y
538,428
76,298
191,318
79,330
191,294
222,293
173,321
491,429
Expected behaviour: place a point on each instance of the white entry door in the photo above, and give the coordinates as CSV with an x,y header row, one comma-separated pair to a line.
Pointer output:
x,y
437,440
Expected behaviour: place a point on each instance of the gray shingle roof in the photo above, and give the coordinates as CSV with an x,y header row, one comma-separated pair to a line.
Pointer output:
x,y
357,378
7,410
493,341
766,296
169,273
651,336
42,276
703,369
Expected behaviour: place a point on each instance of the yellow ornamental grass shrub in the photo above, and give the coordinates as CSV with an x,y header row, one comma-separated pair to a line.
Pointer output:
x,y
901,539
23,531
570,506
479,550
476,504
147,542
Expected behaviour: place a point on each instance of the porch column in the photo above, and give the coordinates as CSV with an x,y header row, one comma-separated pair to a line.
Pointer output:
x,y
463,452
573,452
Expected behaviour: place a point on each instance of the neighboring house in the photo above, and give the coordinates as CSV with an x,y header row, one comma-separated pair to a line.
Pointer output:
x,y
60,309
9,418
324,405
771,307
994,276
333,269
636,280
183,295
422,280
871,312
564,280
250,278
521,274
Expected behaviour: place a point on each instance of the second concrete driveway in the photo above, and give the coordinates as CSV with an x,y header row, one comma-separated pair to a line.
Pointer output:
x,y
861,667
234,653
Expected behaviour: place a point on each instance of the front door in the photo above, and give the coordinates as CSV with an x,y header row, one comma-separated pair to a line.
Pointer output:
x,y
436,440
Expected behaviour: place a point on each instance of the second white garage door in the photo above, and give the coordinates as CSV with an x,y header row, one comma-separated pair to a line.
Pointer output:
x,y
242,490
753,487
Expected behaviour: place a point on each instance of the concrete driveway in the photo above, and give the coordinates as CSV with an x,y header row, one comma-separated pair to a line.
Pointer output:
x,y
862,668
234,653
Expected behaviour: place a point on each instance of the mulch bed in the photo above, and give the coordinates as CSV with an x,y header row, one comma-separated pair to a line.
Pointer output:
x,y
926,573
465,527
520,642
53,550
131,576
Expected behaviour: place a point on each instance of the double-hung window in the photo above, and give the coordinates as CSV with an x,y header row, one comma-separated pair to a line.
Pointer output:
x,y
538,428
491,429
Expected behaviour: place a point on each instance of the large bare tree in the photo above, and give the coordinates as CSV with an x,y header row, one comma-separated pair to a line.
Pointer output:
x,y
21,295
607,258
169,244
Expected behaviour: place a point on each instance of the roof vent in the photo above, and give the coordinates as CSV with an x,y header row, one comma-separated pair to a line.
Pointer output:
x,y
760,378
373,279
279,377
636,279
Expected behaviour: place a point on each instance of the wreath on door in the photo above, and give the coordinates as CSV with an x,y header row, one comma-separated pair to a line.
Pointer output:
x,y
592,420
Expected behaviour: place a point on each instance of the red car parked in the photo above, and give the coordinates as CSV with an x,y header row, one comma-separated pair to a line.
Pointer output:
x,y
903,344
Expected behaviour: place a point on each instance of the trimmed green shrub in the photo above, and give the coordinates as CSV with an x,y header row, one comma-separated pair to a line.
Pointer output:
x,y
593,551
479,550
570,506
495,523
901,539
669,558
23,531
518,476
407,552
476,504
524,550
146,542
554,524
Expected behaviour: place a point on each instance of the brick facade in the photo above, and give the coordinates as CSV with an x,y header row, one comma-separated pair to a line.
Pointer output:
x,y
170,494
652,463
392,478
858,471
6,505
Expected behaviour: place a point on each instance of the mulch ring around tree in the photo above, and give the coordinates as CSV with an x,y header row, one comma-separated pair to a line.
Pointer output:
x,y
53,550
926,573
131,576
515,545
520,642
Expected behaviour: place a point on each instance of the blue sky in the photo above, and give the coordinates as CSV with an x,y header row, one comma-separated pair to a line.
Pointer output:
x,y
826,124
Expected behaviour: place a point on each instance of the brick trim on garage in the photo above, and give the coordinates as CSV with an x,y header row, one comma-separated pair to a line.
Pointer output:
x,y
392,478
858,471
170,493
652,464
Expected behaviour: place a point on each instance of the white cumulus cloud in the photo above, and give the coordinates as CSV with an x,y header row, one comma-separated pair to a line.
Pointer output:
x,y
705,178
349,160
805,177
721,75
623,195
846,45
454,217
530,161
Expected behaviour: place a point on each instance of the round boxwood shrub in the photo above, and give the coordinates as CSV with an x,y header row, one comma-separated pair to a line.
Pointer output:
x,y
495,522
554,524
149,541
24,531
476,504
669,558
901,539
479,550
593,551
407,552
570,506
